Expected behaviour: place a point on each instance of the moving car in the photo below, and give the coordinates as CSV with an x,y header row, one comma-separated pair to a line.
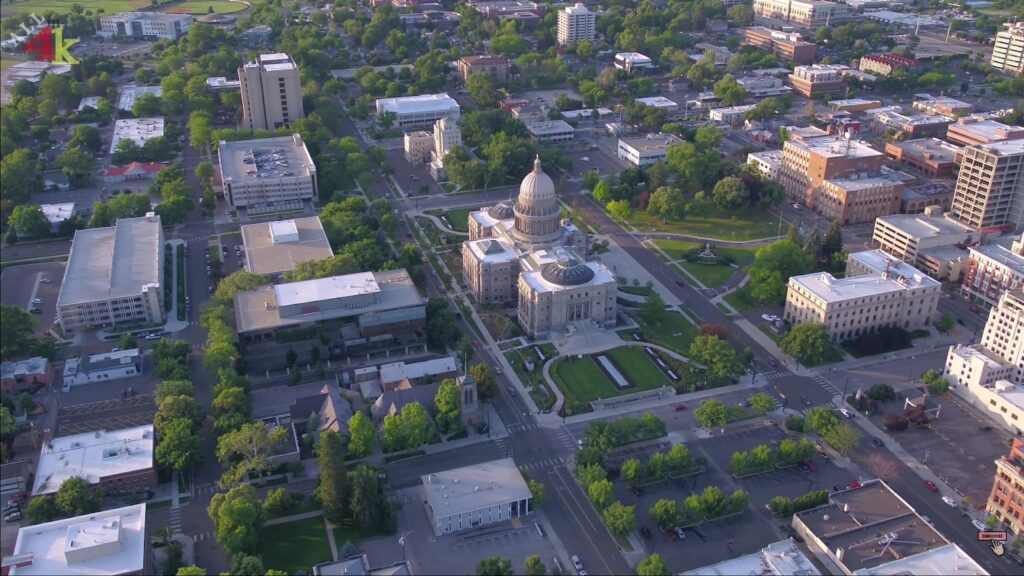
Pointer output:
x,y
37,300
645,533
679,407
846,413
950,502
805,400
931,486
978,524
876,442
576,563
680,533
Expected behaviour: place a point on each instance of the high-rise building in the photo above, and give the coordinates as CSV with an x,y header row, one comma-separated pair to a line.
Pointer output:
x,y
576,23
1008,51
1004,331
994,268
1006,502
447,136
990,186
271,92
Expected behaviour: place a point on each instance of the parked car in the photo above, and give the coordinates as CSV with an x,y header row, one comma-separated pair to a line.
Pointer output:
x,y
45,280
37,300
576,563
978,524
679,407
877,443
950,502
680,533
854,484
931,486
846,413
13,517
645,533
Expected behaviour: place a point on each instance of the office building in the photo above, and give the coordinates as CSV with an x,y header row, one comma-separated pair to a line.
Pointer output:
x,y
108,543
576,23
878,291
138,130
763,86
222,83
994,268
944,106
258,35
647,150
58,214
145,25
783,558
859,198
912,126
1006,502
632,62
768,162
721,53
886,64
786,46
853,105
1008,50
267,172
803,13
104,367
361,565
24,376
808,163
419,111
1004,331
271,92
932,242
417,146
970,131
731,115
494,66
670,108
130,93
518,10
118,461
473,496
447,136
932,157
872,530
114,275
553,131
817,79
919,197
990,186
273,248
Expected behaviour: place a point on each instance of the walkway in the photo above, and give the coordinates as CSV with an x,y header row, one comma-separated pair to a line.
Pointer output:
x,y
437,223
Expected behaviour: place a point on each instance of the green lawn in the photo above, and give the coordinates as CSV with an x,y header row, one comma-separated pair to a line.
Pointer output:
x,y
672,331
637,290
200,7
296,546
675,249
346,533
741,299
754,224
582,380
711,275
459,219
638,367
39,7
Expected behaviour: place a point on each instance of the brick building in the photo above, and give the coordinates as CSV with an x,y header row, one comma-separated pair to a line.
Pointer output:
x,y
494,66
786,46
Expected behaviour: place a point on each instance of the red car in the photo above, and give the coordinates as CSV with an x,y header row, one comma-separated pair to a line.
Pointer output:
x,y
810,465
931,486
679,407
854,484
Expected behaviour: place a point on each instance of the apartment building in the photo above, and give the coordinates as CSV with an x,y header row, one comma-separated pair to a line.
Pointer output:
x,y
141,25
494,66
447,136
576,23
928,241
885,64
271,92
990,185
994,268
878,290
1006,501
266,172
817,79
1008,50
804,13
808,163
971,130
412,112
417,146
933,157
114,275
786,46
1004,331
768,162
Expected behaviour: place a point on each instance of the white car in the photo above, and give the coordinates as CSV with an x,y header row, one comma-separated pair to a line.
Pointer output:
x,y
576,563
950,502
978,524
37,300
845,413
797,206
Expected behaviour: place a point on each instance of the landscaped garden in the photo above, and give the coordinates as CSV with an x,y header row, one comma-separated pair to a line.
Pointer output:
x,y
583,380
459,219
754,225
711,273
296,546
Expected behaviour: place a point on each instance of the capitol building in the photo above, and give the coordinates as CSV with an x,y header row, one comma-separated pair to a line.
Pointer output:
x,y
524,253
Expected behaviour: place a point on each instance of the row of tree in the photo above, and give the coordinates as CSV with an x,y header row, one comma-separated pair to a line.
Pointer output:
x,y
762,458
838,434
782,506
619,518
661,465
710,504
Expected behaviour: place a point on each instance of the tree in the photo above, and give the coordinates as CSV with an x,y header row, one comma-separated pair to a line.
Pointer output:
x,y
809,343
590,473
729,91
494,566
332,490
935,382
85,136
534,566
946,323
42,509
147,105
18,328
175,407
896,423
409,428
204,171
665,513
842,438
247,564
191,571
881,392
348,550
652,309
601,493
76,496
666,203
247,450
631,470
441,328
370,509
7,424
480,87
731,194
832,242
620,209
238,518
653,565
180,447
446,402
602,192
361,435
29,221
77,164
278,502
231,399
821,420
711,414
621,519
22,176
762,403
717,355
773,265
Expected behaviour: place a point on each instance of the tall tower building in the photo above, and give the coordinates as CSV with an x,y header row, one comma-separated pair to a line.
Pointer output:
x,y
271,92
576,23
990,186
1004,332
1008,51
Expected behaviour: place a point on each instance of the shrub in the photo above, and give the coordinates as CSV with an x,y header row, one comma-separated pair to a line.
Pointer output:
x,y
795,423
896,423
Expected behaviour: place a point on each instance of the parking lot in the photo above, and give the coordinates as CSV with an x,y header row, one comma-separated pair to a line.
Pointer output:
x,y
112,414
22,285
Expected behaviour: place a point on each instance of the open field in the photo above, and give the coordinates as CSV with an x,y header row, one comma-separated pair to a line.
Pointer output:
x,y
711,275
582,380
755,224
40,7
200,7
672,331
296,546
459,219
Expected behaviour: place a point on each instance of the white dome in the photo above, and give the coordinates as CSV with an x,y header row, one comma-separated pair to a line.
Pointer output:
x,y
537,188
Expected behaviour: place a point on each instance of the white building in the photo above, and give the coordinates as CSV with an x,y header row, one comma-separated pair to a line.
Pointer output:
x,y
267,172
447,136
102,367
647,150
106,543
670,108
114,275
576,23
417,146
926,241
632,61
419,111
130,93
878,291
1008,51
732,115
273,248
145,25
805,13
138,130
57,214
554,131
768,162
474,496
222,83
783,558
117,460
563,291
762,86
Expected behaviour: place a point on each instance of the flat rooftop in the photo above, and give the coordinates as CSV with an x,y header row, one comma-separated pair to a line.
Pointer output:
x,y
417,104
1010,392
320,289
938,150
105,543
26,367
474,487
1000,251
651,143
138,130
978,353
989,129
831,289
856,184
397,371
783,558
633,58
836,147
259,309
879,261
57,213
276,62
921,226
549,127
131,93
113,262
93,456
275,247
657,102
767,156
265,159
853,102
1004,148
949,560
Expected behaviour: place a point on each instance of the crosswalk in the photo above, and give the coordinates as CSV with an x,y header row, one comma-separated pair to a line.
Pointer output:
x,y
827,385
201,489
541,464
208,535
775,375
566,438
521,427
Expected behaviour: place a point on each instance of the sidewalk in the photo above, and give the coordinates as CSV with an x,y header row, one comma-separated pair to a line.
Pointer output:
x,y
437,223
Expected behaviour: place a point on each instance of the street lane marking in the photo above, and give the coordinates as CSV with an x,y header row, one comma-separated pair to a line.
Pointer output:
x,y
556,473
